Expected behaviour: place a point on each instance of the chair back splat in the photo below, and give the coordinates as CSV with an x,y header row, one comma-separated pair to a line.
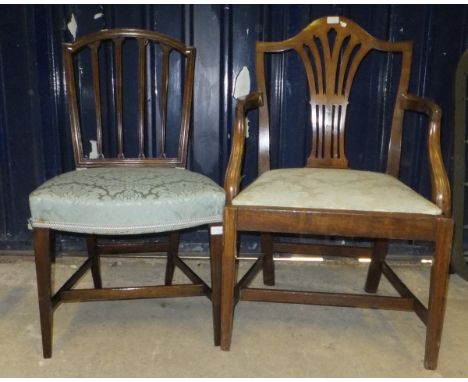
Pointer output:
x,y
331,50
154,52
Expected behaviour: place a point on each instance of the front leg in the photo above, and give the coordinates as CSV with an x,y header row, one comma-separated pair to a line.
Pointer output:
x,y
43,241
438,292
228,277
216,253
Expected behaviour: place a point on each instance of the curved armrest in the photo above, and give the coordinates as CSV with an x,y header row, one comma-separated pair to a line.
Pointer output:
x,y
233,172
439,181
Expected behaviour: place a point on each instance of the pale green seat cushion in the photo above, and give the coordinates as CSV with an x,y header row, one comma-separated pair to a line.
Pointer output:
x,y
126,201
334,189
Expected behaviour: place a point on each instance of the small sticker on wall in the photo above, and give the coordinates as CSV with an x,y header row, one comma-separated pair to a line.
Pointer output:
x,y
216,230
333,20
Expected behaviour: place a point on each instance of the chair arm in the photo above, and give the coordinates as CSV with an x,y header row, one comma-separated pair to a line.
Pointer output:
x,y
233,172
439,180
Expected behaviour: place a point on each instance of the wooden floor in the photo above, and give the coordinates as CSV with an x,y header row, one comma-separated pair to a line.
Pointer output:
x,y
173,337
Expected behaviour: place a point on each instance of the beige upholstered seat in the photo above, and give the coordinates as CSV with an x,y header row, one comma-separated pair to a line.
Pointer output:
x,y
334,189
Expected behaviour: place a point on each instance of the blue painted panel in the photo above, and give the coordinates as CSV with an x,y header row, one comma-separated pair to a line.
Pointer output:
x,y
20,112
34,129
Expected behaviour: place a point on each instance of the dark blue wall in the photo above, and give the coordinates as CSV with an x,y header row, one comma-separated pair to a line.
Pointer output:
x,y
34,133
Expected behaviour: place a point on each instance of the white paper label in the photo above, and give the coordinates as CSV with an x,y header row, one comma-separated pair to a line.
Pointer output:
x,y
217,230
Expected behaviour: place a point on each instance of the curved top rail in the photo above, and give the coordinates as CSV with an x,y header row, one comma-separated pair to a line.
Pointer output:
x,y
338,23
109,34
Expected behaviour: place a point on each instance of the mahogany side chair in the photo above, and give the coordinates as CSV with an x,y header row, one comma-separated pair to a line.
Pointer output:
x,y
132,180
328,198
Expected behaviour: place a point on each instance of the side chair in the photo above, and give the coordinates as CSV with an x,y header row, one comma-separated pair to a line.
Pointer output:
x,y
130,94
328,198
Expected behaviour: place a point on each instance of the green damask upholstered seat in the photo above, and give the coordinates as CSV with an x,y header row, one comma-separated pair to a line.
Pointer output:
x,y
126,201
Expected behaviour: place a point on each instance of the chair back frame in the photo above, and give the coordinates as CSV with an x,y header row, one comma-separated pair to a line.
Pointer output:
x,y
330,69
143,37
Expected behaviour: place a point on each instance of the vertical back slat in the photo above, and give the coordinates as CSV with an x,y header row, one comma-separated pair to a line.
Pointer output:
x,y
187,103
165,84
308,67
360,54
314,125
327,61
320,131
343,110
118,91
336,130
318,64
141,96
333,59
353,42
73,104
97,95
327,126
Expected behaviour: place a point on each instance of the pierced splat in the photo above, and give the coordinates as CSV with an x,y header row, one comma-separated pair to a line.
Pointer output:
x,y
331,50
331,58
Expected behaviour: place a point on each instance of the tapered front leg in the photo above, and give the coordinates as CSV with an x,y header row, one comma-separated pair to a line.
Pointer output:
x,y
268,263
171,254
228,276
216,253
438,292
374,273
42,241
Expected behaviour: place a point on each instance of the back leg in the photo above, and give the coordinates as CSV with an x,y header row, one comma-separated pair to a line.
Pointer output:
x,y
93,254
172,252
374,273
268,262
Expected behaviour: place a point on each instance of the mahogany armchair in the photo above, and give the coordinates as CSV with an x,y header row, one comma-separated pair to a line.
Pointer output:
x,y
326,197
133,181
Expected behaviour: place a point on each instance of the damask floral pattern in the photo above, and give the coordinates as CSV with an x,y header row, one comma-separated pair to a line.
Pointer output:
x,y
334,189
126,201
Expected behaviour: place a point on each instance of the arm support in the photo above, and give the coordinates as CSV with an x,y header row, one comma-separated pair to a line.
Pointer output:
x,y
439,181
233,172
